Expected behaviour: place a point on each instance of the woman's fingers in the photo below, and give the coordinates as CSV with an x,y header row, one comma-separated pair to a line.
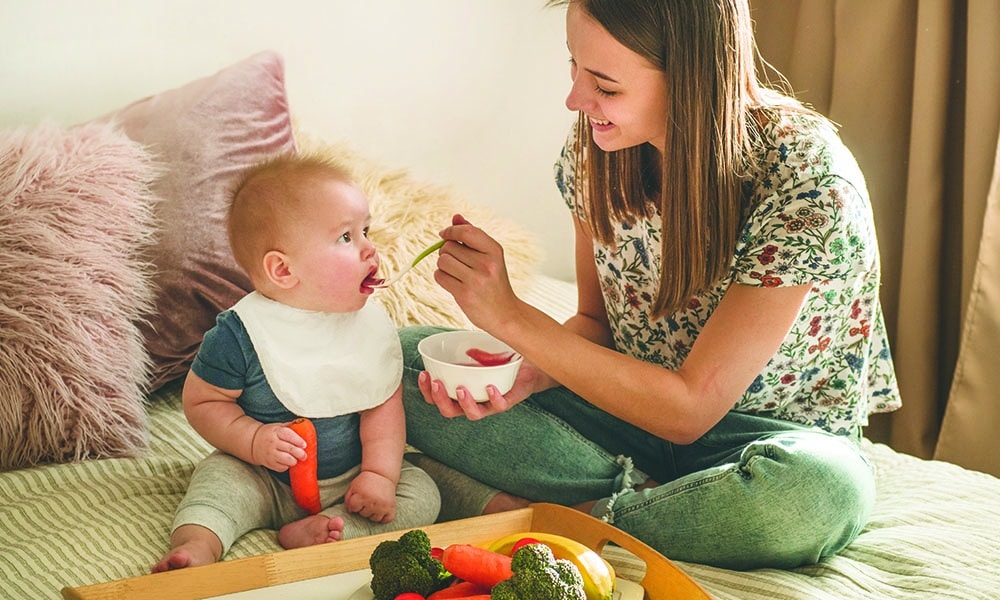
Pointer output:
x,y
434,393
472,409
464,405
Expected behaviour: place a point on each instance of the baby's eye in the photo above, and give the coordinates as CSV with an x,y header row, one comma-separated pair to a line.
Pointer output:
x,y
346,238
365,232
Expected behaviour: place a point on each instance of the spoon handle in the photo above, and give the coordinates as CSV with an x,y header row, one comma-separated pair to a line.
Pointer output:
x,y
427,252
432,248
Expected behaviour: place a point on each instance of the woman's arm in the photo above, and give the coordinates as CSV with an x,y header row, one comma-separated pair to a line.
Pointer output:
x,y
736,343
591,318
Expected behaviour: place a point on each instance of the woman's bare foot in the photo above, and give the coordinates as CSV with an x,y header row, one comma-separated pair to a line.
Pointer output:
x,y
503,502
190,546
312,530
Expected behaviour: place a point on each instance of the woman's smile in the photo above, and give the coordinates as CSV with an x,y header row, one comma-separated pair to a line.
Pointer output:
x,y
600,125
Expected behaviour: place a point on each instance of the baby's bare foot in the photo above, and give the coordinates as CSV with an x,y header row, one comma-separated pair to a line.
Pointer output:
x,y
190,546
312,530
181,558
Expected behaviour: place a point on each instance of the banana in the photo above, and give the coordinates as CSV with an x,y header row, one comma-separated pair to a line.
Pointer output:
x,y
598,575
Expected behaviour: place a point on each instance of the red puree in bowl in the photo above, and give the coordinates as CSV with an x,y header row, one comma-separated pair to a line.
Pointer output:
x,y
487,359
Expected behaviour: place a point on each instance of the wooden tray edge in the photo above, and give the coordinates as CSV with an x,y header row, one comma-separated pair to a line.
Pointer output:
x,y
662,579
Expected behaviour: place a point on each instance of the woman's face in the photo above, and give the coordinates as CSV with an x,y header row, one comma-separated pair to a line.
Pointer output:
x,y
620,92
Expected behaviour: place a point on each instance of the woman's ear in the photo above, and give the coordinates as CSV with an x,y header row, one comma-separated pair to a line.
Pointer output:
x,y
278,271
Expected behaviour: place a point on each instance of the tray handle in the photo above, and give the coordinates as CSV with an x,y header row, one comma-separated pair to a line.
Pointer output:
x,y
662,580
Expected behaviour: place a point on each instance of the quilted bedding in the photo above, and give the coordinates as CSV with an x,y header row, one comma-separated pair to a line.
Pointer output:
x,y
934,533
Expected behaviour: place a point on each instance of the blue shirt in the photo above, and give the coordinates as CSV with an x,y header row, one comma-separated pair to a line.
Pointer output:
x,y
228,360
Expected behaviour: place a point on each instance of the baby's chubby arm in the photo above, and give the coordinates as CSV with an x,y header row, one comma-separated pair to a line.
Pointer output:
x,y
215,415
372,494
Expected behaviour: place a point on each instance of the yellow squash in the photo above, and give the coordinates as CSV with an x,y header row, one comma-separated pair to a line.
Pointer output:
x,y
598,575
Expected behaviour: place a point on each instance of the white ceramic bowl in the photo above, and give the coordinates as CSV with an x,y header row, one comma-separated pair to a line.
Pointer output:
x,y
445,358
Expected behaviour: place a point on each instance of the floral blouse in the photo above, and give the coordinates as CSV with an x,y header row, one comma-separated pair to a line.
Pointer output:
x,y
811,223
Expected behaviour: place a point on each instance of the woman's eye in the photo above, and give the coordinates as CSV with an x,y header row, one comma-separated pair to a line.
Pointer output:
x,y
604,92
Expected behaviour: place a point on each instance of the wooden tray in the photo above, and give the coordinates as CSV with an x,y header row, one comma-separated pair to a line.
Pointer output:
x,y
662,579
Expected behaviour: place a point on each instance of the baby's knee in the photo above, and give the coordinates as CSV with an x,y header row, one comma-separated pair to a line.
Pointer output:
x,y
418,499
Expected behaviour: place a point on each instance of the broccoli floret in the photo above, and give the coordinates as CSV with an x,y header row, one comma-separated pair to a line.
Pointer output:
x,y
569,572
532,557
416,542
405,565
504,591
539,576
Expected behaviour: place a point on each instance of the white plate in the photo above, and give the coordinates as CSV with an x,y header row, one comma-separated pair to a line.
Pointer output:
x,y
362,593
624,590
339,586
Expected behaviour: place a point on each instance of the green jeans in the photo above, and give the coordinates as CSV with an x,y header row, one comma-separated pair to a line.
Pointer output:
x,y
753,492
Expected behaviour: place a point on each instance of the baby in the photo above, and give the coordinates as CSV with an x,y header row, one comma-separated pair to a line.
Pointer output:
x,y
305,343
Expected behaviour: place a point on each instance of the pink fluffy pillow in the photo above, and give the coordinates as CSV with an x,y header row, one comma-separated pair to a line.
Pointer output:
x,y
75,215
203,133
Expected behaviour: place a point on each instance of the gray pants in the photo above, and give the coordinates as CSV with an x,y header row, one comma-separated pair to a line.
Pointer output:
x,y
231,498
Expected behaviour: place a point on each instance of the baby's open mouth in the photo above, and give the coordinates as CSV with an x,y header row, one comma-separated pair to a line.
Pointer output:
x,y
372,280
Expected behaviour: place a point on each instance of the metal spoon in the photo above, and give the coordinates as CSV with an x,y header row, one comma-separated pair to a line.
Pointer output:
x,y
427,252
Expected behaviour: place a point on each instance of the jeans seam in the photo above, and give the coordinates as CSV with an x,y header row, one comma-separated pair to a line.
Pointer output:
x,y
649,502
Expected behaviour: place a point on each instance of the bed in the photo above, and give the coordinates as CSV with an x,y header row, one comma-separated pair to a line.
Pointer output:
x,y
99,509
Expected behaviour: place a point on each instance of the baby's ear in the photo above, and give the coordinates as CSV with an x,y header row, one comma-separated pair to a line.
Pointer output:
x,y
277,270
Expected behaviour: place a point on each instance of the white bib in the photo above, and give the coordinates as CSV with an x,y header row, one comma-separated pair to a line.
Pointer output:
x,y
324,364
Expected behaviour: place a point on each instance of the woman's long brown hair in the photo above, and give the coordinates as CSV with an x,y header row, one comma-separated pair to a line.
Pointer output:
x,y
707,52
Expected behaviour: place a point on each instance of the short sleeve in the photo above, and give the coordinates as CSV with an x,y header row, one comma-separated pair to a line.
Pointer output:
x,y
811,219
220,360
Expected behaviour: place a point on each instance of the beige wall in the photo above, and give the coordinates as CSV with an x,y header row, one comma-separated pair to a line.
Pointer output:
x,y
467,93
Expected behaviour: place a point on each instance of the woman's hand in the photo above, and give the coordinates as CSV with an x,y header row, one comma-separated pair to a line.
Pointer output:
x,y
529,380
471,267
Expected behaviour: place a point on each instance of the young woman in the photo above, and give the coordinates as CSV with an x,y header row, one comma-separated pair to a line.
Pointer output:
x,y
709,395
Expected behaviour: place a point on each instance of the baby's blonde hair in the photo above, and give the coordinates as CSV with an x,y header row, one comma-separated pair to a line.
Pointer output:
x,y
267,199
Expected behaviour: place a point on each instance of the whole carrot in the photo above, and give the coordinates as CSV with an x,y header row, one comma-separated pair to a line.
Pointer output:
x,y
305,485
475,564
460,589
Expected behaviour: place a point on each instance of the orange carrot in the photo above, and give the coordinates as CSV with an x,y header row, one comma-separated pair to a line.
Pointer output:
x,y
305,486
475,564
460,589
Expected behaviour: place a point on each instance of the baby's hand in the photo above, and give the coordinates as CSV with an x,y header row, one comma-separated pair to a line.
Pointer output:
x,y
372,496
277,447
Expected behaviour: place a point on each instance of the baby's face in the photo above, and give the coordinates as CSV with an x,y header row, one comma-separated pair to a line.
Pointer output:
x,y
331,254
